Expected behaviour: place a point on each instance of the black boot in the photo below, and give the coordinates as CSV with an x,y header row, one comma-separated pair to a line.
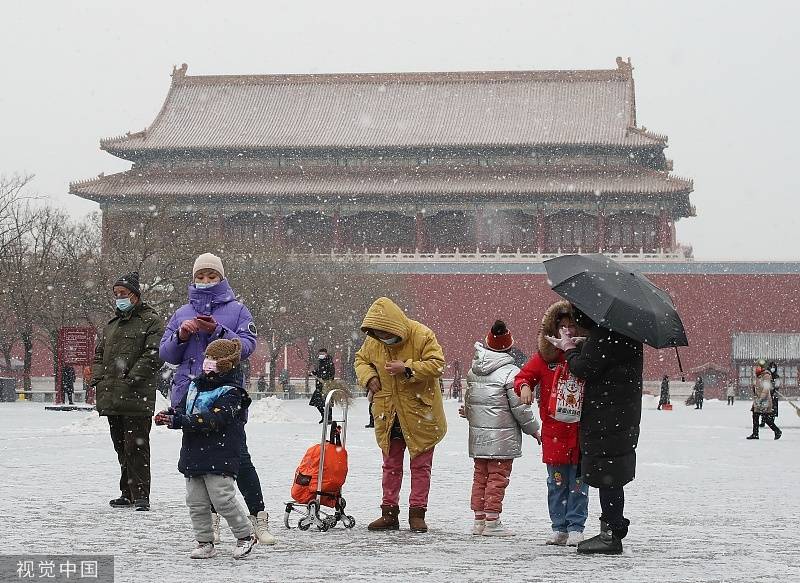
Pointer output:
x,y
142,504
121,502
753,436
605,543
778,434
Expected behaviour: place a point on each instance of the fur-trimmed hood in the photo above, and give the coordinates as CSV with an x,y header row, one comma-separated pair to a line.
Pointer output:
x,y
548,328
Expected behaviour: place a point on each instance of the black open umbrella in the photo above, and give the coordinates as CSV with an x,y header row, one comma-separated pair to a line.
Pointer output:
x,y
617,297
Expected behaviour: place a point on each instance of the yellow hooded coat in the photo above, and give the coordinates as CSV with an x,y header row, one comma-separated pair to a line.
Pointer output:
x,y
415,400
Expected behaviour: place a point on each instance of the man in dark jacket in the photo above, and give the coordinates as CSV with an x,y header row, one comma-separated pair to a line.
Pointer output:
x,y
699,393
125,372
325,371
68,382
611,364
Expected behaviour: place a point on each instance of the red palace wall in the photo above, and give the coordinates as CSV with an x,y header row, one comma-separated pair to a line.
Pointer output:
x,y
461,308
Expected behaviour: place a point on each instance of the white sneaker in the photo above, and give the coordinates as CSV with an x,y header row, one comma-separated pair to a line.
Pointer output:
x,y
557,538
215,525
496,528
244,546
478,526
203,551
260,524
574,538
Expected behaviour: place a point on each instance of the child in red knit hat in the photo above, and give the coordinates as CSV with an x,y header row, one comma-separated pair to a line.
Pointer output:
x,y
497,418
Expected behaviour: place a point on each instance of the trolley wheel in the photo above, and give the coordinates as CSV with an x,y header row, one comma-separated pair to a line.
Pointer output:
x,y
324,526
348,521
305,523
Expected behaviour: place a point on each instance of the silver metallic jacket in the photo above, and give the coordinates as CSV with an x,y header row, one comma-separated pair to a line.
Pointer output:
x,y
494,411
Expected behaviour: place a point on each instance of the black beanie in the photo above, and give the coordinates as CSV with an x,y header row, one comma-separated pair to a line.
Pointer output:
x,y
130,282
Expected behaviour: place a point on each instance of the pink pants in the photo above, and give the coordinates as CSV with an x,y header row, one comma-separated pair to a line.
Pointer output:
x,y
489,484
393,475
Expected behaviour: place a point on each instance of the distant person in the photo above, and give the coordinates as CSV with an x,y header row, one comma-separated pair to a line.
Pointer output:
x,y
699,391
731,393
324,371
663,398
68,382
762,400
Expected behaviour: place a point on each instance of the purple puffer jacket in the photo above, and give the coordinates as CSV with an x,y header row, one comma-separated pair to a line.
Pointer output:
x,y
233,321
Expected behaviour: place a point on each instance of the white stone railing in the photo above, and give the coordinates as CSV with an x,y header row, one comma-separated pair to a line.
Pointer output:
x,y
497,256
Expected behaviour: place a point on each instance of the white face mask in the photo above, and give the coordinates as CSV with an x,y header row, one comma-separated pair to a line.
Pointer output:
x,y
322,356
392,340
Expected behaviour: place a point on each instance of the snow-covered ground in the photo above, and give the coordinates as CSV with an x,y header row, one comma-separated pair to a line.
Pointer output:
x,y
707,505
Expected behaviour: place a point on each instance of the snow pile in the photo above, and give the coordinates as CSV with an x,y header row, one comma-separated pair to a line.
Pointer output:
x,y
269,410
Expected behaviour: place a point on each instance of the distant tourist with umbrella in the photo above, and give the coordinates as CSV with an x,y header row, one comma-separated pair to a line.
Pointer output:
x,y
621,309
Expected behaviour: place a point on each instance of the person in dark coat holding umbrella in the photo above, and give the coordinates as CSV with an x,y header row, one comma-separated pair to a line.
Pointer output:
x,y
611,365
325,371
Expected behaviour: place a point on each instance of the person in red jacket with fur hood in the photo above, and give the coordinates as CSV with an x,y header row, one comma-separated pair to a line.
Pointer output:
x,y
567,494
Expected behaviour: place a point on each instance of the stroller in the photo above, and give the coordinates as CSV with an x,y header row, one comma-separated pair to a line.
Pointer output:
x,y
324,466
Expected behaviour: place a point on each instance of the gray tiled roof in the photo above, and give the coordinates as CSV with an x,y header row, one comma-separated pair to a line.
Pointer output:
x,y
477,109
771,346
336,182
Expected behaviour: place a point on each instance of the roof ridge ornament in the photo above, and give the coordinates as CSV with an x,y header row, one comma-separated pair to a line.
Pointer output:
x,y
625,67
179,74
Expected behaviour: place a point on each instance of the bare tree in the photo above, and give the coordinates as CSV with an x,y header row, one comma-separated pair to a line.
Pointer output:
x,y
12,199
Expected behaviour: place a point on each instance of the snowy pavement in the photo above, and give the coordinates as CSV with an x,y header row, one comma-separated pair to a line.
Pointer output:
x,y
707,505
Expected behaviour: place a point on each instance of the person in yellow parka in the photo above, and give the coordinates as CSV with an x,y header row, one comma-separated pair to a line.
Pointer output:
x,y
400,364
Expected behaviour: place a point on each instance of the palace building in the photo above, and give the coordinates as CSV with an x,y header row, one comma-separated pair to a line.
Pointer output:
x,y
461,182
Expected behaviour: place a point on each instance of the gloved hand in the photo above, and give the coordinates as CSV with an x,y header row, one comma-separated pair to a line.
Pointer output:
x,y
187,328
164,417
564,343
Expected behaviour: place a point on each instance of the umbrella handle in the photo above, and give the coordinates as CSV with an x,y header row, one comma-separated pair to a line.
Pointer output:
x,y
680,366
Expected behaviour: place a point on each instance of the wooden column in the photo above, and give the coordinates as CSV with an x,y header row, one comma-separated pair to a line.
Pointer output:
x,y
479,229
279,230
665,231
419,239
601,230
541,234
337,236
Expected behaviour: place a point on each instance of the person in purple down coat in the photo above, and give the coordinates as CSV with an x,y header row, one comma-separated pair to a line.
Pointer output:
x,y
213,313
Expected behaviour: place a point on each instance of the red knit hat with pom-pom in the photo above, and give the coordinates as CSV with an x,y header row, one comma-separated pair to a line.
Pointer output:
x,y
499,338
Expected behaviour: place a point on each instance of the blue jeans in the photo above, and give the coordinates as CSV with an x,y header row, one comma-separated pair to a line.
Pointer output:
x,y
248,483
567,498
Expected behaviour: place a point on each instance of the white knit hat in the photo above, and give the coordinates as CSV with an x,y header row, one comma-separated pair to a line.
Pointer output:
x,y
208,261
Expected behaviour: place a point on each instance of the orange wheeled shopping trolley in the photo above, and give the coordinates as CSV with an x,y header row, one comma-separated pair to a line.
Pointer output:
x,y
321,474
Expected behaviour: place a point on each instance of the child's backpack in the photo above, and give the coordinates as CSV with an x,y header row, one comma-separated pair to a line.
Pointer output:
x,y
334,472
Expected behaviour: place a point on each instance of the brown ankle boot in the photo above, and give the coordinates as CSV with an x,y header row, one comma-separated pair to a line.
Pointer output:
x,y
416,520
388,519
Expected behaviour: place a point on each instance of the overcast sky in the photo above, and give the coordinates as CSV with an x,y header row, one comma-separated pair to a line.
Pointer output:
x,y
719,78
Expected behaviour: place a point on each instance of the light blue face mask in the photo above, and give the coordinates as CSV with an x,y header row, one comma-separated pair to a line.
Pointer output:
x,y
124,304
204,285
393,340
